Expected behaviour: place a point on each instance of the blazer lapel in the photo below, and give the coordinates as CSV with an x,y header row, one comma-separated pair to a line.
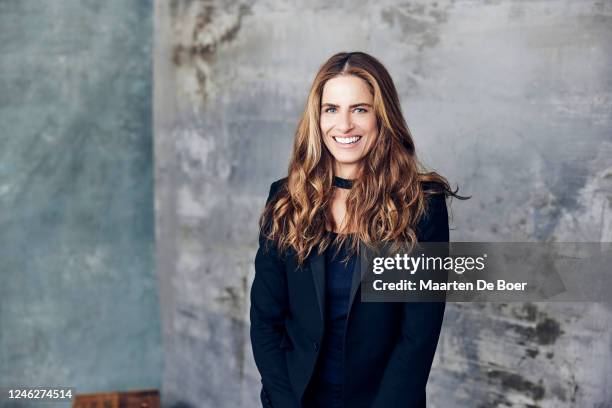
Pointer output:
x,y
356,280
317,268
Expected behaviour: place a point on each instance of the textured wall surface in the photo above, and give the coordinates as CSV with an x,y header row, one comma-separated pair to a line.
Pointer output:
x,y
509,99
79,296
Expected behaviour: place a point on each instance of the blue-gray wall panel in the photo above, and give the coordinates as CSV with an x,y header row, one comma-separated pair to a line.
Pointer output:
x,y
79,295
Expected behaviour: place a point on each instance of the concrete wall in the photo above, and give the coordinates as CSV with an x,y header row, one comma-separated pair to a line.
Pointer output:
x,y
79,296
509,99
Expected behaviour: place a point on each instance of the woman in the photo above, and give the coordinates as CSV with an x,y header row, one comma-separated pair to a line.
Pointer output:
x,y
353,176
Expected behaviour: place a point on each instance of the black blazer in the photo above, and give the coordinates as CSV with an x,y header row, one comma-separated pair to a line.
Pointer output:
x,y
389,347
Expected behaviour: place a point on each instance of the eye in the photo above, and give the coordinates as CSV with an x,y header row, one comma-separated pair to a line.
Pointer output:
x,y
328,109
362,109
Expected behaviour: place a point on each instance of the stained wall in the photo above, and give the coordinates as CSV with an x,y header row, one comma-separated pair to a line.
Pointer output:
x,y
508,99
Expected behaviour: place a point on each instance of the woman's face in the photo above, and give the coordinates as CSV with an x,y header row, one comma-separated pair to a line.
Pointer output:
x,y
348,122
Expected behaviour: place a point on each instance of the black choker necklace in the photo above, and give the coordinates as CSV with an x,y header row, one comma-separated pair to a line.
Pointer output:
x,y
342,182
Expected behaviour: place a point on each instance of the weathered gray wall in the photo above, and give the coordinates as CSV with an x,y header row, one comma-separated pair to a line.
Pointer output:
x,y
509,99
78,294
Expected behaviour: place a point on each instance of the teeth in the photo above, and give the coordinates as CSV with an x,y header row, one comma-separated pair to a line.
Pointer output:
x,y
347,140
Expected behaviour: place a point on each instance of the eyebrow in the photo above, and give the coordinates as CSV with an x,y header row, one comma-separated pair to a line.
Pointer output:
x,y
352,106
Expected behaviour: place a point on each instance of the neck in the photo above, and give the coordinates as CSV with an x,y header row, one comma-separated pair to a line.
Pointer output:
x,y
346,171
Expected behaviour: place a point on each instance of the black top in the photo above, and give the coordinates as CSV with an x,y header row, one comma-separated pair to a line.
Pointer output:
x,y
338,280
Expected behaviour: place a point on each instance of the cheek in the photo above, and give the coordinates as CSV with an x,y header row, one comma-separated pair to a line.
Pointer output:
x,y
325,124
367,124
372,130
371,125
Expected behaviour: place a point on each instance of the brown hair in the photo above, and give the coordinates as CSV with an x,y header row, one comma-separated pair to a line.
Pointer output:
x,y
387,199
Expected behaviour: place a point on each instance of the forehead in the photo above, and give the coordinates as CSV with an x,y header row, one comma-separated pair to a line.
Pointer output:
x,y
346,89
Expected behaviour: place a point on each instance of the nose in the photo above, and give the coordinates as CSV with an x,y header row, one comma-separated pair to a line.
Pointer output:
x,y
344,122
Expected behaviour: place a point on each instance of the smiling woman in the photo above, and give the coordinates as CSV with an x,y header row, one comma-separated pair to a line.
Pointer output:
x,y
348,128
353,178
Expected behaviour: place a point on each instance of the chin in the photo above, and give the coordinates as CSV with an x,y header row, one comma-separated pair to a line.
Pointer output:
x,y
346,161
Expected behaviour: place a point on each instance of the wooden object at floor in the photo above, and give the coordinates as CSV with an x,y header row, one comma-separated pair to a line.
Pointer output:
x,y
127,399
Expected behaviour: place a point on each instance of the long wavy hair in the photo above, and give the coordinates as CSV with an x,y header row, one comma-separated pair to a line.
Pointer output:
x,y
386,200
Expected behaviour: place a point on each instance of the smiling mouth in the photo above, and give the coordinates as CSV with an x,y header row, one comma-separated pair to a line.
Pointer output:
x,y
347,140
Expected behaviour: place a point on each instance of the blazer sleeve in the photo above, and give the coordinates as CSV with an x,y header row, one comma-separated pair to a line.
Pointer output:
x,y
405,377
269,306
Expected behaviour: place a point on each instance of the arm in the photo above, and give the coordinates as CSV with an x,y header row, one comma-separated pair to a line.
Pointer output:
x,y
269,306
405,377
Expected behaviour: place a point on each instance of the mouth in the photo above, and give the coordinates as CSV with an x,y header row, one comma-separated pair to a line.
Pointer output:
x,y
347,140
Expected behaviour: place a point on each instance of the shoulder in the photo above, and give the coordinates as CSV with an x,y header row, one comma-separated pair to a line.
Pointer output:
x,y
435,196
275,187
432,187
433,225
